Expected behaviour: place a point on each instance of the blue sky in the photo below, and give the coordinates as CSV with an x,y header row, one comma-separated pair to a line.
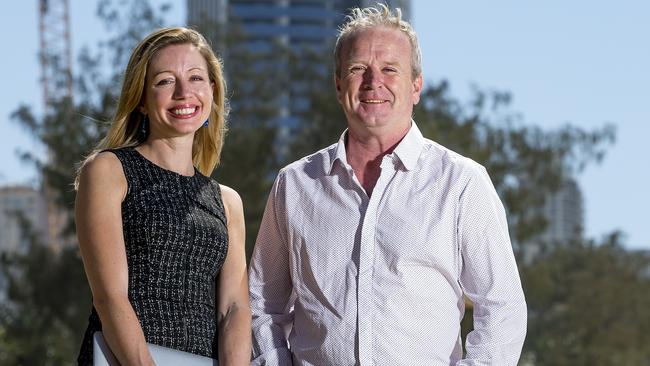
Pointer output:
x,y
580,62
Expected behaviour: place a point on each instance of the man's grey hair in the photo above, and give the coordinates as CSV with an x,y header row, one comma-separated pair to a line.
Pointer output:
x,y
380,16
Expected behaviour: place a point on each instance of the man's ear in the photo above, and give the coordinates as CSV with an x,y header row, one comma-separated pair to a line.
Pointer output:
x,y
337,84
417,89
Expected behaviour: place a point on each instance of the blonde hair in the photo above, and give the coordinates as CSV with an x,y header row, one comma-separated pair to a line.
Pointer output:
x,y
124,130
381,16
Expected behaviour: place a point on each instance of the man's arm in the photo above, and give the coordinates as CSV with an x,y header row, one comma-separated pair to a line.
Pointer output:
x,y
270,284
489,276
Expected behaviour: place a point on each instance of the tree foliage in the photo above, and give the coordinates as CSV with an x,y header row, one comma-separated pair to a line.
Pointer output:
x,y
42,323
588,304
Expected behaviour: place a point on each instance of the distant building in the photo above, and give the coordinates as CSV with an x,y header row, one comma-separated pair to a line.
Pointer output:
x,y
294,22
564,215
644,255
18,202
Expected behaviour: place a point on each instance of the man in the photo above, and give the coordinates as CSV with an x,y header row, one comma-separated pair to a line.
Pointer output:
x,y
368,247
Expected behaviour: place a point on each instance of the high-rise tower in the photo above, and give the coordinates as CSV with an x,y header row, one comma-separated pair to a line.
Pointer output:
x,y
563,211
293,22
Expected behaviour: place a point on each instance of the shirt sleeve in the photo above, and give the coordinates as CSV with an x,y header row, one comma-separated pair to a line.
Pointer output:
x,y
489,276
270,285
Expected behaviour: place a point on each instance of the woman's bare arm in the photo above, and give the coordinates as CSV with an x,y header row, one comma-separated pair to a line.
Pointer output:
x,y
98,216
233,309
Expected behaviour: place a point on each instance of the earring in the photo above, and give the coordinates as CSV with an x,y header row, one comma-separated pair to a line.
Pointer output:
x,y
144,127
206,123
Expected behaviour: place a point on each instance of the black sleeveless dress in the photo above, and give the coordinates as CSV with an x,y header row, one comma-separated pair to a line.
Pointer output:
x,y
176,241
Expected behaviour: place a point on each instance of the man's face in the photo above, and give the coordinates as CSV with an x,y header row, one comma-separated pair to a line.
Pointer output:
x,y
375,86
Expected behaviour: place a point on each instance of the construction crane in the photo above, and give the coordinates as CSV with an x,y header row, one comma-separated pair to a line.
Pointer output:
x,y
55,51
56,83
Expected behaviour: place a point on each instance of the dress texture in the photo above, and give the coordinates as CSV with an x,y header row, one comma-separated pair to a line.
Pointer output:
x,y
176,240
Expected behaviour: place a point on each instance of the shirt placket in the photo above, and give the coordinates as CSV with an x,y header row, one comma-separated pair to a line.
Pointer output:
x,y
366,266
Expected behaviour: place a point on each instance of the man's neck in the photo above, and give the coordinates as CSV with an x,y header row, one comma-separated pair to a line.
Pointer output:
x,y
365,153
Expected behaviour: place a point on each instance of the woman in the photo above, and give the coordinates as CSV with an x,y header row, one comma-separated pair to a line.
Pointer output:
x,y
163,244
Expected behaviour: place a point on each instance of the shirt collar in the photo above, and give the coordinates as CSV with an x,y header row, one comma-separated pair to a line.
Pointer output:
x,y
339,153
408,150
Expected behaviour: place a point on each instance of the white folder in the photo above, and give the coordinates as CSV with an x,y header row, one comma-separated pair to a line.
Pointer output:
x,y
163,356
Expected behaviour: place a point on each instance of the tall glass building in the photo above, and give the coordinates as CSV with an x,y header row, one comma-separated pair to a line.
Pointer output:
x,y
295,23
563,212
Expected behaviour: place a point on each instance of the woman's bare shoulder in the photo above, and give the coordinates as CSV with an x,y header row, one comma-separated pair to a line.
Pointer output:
x,y
103,170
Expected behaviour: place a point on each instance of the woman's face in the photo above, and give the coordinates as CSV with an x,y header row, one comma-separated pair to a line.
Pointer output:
x,y
178,91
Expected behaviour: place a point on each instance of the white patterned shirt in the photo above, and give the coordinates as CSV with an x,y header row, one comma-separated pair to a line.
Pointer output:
x,y
340,278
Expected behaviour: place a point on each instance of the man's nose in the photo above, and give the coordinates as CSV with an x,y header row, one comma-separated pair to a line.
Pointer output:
x,y
372,78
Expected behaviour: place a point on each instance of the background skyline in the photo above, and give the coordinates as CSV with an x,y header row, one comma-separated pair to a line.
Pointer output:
x,y
583,63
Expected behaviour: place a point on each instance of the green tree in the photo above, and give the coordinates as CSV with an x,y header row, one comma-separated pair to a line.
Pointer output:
x,y
589,304
49,305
